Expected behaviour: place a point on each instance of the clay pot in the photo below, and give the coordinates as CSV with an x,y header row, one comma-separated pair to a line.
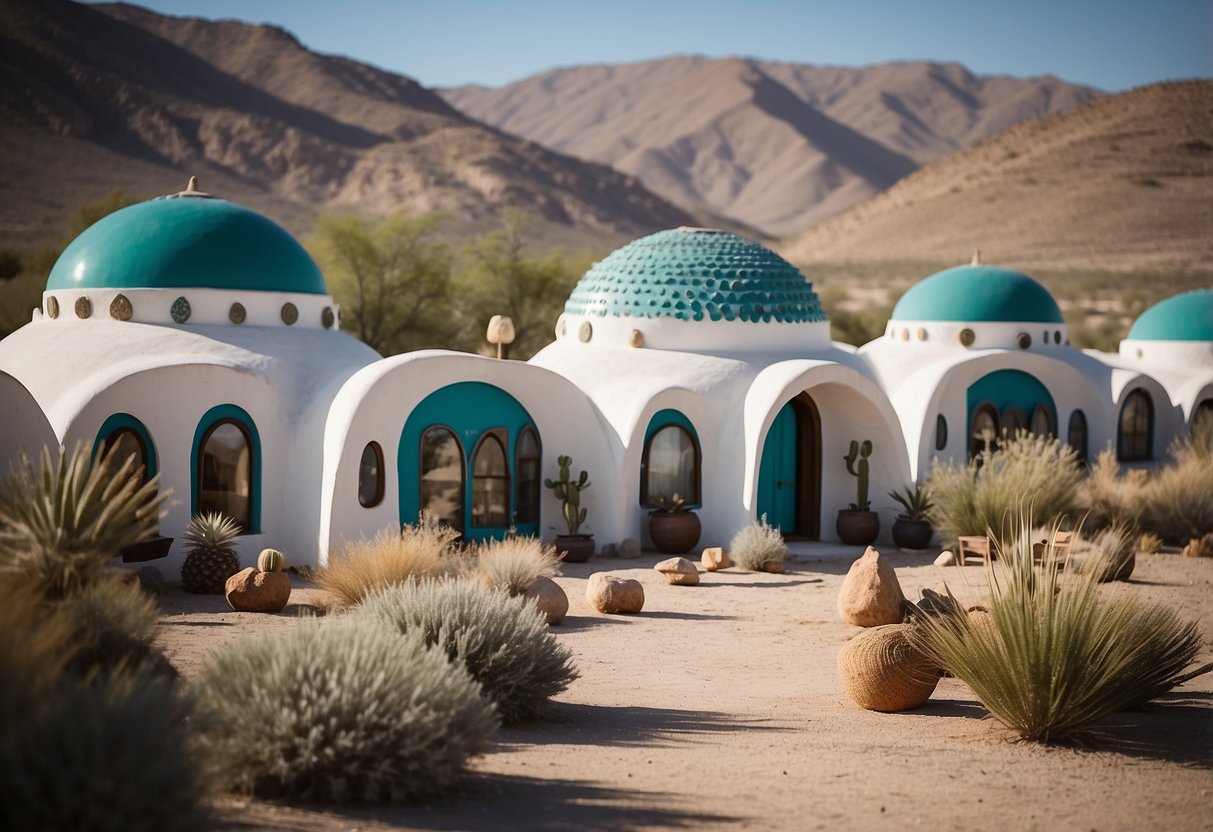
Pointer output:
x,y
912,534
674,532
575,548
857,528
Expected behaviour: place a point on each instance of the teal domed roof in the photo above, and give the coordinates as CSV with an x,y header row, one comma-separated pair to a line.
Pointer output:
x,y
1184,317
186,242
696,275
978,293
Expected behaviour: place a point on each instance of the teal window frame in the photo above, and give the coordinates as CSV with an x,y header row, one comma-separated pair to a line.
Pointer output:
x,y
661,420
240,416
125,421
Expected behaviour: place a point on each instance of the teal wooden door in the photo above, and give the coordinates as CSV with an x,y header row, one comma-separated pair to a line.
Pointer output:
x,y
777,497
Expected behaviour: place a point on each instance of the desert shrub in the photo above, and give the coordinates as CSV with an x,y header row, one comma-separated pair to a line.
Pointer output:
x,y
114,626
513,564
1149,543
341,709
502,640
62,520
1177,500
985,495
1058,657
1107,497
389,558
1107,552
756,544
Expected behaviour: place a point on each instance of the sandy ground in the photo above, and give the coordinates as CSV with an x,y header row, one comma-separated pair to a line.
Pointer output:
x,y
720,706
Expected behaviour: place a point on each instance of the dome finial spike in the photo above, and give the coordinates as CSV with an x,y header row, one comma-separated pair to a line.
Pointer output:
x,y
192,186
976,261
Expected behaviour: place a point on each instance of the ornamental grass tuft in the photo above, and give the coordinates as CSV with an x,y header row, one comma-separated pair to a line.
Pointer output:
x,y
513,564
502,640
756,544
1054,656
341,709
389,558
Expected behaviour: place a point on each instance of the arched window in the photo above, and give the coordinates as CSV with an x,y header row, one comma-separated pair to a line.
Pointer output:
x,y
442,476
1013,421
131,437
670,465
941,432
1076,435
225,472
1042,421
527,468
490,482
371,476
983,429
1135,436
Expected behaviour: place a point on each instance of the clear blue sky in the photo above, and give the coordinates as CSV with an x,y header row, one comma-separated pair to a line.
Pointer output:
x,y
1111,44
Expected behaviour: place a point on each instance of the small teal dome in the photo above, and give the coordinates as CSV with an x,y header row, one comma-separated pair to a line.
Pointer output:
x,y
695,275
978,294
186,242
1183,317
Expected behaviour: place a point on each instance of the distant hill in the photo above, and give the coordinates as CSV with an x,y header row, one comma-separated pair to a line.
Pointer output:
x,y
779,146
102,97
1123,182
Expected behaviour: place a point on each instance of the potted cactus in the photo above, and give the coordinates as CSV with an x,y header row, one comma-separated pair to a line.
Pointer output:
x,y
673,526
912,529
573,547
857,524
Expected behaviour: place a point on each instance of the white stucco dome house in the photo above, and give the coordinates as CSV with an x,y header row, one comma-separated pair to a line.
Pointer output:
x,y
201,336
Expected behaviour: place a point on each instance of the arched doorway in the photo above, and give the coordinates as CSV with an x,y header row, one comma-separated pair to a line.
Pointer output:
x,y
789,474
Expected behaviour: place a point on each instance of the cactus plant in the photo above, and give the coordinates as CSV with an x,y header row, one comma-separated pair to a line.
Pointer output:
x,y
860,471
271,560
569,494
210,553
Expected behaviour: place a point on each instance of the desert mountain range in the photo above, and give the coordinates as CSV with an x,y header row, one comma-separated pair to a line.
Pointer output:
x,y
115,96
779,146
1123,182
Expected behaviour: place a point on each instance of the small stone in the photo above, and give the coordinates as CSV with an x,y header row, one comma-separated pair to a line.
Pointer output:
x,y
251,590
549,598
871,595
629,548
715,558
611,550
679,571
611,594
946,558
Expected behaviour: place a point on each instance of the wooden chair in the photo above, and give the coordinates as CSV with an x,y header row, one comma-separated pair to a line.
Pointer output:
x,y
974,545
1061,548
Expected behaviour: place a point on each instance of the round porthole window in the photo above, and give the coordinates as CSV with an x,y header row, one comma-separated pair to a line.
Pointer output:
x,y
1057,337
922,333
967,337
327,318
52,307
586,332
290,313
1024,340
905,334
237,314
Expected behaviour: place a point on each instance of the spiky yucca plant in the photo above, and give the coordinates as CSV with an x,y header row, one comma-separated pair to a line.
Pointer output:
x,y
513,564
211,553
62,519
1058,656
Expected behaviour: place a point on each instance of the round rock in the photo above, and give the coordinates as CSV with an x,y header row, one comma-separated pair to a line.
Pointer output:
x,y
251,590
611,594
714,558
549,598
679,571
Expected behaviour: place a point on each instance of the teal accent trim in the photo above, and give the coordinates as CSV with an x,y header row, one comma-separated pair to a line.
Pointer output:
x,y
186,242
213,416
1184,317
470,409
777,471
1006,389
119,421
978,294
694,276
663,419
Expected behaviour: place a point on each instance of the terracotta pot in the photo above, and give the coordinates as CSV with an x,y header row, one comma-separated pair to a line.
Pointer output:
x,y
674,533
857,528
912,534
575,548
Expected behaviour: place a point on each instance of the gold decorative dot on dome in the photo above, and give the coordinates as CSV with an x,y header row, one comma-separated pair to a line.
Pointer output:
x,y
636,338
586,332
967,337
327,318
84,307
922,333
237,314
120,308
52,307
290,313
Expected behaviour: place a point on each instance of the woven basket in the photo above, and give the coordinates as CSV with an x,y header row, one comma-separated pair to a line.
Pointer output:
x,y
882,671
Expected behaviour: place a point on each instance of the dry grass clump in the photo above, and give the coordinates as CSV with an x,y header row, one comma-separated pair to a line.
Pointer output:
x,y
756,544
1058,656
1107,497
341,709
980,497
425,550
513,564
502,640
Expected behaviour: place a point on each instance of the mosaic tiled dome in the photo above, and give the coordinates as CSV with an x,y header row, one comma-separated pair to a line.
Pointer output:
x,y
978,293
1183,317
696,275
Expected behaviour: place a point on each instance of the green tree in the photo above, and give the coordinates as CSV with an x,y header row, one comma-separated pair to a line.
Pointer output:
x,y
392,280
500,279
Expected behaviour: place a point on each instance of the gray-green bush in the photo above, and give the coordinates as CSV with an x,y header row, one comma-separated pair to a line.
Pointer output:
x,y
502,640
515,563
1028,472
114,625
757,543
343,709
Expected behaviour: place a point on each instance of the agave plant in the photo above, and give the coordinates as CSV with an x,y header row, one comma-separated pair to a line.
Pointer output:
x,y
62,519
211,553
915,500
668,505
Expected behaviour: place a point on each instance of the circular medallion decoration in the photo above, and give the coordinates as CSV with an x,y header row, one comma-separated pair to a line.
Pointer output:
x,y
586,332
1024,340
290,313
636,338
905,334
84,307
327,318
180,310
922,333
967,337
120,308
236,314
52,307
